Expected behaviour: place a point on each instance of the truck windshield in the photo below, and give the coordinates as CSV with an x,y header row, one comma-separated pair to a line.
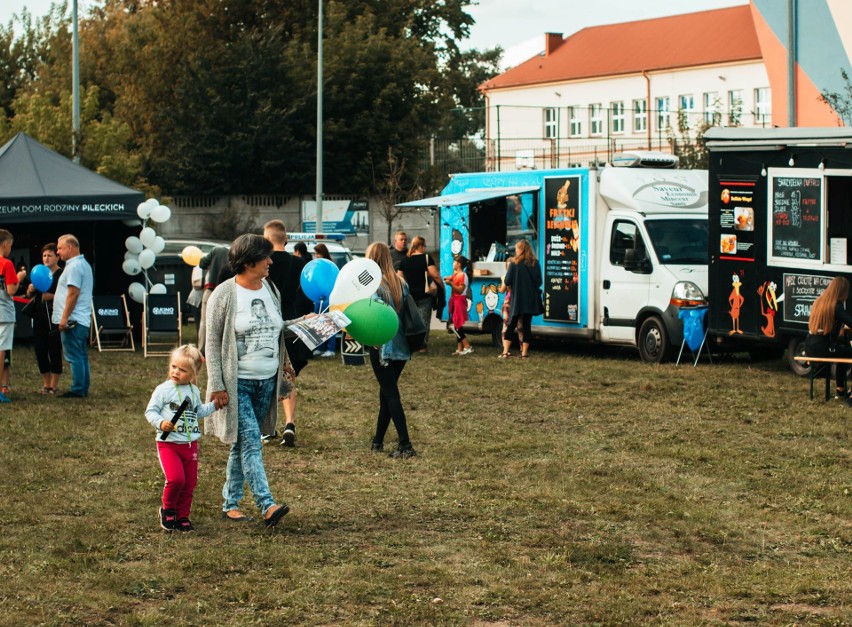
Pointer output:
x,y
683,240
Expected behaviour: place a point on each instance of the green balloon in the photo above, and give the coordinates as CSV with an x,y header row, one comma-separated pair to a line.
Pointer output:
x,y
373,322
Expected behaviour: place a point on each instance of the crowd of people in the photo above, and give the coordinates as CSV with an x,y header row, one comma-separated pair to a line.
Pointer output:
x,y
245,296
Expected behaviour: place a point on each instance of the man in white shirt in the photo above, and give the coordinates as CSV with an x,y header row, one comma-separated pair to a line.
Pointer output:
x,y
72,313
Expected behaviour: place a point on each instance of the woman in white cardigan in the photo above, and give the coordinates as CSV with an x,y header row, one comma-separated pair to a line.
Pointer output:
x,y
247,370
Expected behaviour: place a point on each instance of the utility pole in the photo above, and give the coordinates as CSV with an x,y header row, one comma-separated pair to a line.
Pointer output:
x,y
75,85
319,120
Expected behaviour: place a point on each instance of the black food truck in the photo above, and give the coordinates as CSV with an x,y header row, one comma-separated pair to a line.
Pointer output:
x,y
780,215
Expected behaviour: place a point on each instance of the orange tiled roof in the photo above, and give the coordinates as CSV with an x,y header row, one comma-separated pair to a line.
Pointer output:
x,y
706,37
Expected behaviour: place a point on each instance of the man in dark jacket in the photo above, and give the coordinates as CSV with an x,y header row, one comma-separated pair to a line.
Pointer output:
x,y
286,272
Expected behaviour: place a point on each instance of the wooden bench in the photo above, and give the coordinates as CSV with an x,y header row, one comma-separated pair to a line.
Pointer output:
x,y
823,370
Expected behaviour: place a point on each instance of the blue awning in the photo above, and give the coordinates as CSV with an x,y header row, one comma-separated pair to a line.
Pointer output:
x,y
469,196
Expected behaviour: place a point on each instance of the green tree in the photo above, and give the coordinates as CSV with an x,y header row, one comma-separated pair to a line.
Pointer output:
x,y
841,102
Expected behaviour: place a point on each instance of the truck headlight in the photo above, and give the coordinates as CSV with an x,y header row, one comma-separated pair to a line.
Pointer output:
x,y
687,294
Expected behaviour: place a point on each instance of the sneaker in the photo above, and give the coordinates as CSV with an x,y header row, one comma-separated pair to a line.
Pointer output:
x,y
467,351
70,394
168,519
327,354
843,400
377,447
184,524
289,435
4,398
403,452
264,438
317,353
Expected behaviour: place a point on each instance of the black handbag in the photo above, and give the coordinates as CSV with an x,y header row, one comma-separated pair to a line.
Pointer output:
x,y
413,326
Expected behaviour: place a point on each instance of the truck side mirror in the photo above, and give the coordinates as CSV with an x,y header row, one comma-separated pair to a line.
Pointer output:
x,y
635,260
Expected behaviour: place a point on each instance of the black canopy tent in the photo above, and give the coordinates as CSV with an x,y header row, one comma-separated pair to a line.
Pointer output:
x,y
44,195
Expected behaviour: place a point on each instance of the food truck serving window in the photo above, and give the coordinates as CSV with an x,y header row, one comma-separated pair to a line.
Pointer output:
x,y
497,224
809,218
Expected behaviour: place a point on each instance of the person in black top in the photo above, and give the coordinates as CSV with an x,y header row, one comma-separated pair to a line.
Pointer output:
x,y
414,269
523,277
47,345
399,250
285,273
827,328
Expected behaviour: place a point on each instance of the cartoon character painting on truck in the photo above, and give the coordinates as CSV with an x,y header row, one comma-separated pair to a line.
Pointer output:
x,y
622,249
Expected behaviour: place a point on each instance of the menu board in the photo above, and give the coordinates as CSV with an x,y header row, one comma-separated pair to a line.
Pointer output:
x,y
796,208
800,292
736,218
561,248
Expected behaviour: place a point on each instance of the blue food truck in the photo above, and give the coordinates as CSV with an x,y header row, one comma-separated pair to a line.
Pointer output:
x,y
622,248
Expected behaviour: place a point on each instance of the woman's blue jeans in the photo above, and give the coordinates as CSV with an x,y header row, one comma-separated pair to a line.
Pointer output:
x,y
245,463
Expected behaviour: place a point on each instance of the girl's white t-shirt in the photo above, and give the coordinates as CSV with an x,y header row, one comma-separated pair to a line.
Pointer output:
x,y
258,325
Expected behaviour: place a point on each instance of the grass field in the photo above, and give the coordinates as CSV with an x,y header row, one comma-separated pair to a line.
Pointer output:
x,y
577,487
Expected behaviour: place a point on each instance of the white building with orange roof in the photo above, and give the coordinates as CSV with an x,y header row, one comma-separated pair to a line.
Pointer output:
x,y
619,87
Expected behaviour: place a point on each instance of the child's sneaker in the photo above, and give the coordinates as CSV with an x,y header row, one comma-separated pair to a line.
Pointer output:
x,y
184,524
4,394
168,519
467,351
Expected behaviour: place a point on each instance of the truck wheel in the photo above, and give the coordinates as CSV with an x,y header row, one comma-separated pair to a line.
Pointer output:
x,y
653,341
796,347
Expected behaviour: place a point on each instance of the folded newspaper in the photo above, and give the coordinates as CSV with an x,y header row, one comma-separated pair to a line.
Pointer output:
x,y
314,331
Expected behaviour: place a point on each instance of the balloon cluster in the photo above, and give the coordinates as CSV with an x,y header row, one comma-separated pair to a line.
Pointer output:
x,y
351,289
142,251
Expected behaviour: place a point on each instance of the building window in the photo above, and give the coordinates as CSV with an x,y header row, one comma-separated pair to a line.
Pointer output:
x,y
762,106
617,112
686,107
576,122
735,107
664,120
640,116
550,123
712,105
596,119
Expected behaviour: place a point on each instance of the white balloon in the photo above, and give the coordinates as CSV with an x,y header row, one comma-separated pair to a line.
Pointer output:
x,y
147,236
137,292
158,245
158,288
147,258
134,244
130,255
153,202
161,213
143,210
360,278
131,267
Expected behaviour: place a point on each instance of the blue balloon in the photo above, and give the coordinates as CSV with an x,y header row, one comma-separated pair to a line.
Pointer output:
x,y
41,278
317,280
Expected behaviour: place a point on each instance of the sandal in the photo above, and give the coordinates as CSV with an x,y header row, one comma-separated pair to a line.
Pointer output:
x,y
44,390
505,355
52,390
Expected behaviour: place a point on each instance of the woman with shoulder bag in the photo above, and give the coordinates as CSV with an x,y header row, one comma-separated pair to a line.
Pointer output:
x,y
389,360
419,271
46,342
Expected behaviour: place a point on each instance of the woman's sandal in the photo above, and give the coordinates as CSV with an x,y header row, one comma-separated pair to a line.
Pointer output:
x,y
45,390
236,519
276,516
505,355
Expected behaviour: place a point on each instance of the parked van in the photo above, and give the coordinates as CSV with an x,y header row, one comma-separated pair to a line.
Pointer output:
x,y
340,254
622,248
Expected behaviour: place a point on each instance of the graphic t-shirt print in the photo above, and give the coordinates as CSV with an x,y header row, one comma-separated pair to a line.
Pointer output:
x,y
260,334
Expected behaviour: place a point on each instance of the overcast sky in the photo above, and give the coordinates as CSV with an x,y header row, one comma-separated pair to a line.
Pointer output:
x,y
518,26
